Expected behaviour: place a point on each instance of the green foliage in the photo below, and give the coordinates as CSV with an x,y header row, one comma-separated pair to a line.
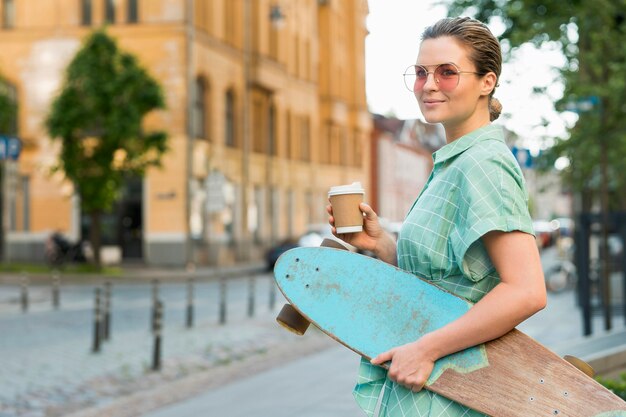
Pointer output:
x,y
98,119
618,386
591,36
8,108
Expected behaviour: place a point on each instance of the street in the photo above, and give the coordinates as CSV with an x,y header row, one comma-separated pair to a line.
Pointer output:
x,y
46,357
47,367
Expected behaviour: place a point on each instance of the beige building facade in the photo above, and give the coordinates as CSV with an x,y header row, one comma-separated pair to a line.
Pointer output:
x,y
265,111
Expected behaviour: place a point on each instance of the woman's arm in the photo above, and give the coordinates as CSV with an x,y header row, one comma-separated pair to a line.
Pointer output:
x,y
373,238
520,294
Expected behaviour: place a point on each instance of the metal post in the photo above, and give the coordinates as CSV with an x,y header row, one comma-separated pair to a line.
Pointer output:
x,y
106,325
251,285
155,298
272,294
582,265
190,303
222,301
56,283
24,294
158,326
97,323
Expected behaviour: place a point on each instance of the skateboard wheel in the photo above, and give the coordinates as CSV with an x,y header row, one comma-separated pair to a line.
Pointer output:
x,y
581,365
331,243
292,320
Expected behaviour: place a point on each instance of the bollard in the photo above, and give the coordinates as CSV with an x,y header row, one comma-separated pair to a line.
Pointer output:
x,y
97,323
272,295
222,303
24,294
190,303
155,298
251,285
56,283
158,325
106,322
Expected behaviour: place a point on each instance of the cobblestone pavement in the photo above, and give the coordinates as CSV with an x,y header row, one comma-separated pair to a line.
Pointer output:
x,y
47,367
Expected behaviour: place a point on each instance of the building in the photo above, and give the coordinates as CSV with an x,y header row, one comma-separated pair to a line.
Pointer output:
x,y
265,111
401,163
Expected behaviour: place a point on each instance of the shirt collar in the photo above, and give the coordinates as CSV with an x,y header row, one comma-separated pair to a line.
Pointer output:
x,y
460,145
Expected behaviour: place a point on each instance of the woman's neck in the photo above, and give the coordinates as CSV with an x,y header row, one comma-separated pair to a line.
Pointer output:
x,y
455,131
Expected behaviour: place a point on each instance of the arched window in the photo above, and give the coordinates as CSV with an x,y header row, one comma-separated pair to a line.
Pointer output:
x,y
199,109
229,119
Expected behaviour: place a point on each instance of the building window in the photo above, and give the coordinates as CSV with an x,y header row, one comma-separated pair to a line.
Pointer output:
x,y
86,12
288,135
272,149
109,11
8,14
229,125
132,11
305,139
258,118
199,109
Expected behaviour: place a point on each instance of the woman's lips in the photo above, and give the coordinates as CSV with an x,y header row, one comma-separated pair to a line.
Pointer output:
x,y
432,103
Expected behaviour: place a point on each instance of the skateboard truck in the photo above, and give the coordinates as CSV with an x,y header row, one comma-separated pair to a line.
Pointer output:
x,y
289,317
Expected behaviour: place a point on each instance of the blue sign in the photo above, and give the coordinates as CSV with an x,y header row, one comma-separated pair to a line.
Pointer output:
x,y
10,147
523,156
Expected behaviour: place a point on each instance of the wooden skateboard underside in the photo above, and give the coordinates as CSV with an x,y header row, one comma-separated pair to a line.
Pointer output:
x,y
370,307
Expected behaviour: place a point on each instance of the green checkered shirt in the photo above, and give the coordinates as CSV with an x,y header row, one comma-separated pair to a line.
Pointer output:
x,y
476,186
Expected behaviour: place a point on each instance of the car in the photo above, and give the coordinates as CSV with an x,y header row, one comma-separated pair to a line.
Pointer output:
x,y
313,237
544,233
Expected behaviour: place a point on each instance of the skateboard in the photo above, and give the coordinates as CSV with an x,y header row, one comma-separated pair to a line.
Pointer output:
x,y
370,307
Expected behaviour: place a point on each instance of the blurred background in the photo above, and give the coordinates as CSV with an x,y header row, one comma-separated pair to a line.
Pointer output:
x,y
166,152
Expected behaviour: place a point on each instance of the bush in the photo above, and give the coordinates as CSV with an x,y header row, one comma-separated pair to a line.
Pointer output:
x,y
618,386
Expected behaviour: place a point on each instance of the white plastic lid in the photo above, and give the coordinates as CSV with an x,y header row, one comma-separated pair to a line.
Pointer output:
x,y
354,188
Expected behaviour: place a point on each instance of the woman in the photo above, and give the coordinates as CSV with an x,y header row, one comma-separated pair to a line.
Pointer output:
x,y
468,232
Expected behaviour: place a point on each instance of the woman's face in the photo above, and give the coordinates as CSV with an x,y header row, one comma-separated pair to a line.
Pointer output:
x,y
458,106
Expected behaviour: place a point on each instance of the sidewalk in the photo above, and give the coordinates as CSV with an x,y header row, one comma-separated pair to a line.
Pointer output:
x,y
47,369
139,273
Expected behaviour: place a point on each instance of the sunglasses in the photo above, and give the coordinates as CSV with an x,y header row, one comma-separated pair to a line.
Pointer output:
x,y
446,76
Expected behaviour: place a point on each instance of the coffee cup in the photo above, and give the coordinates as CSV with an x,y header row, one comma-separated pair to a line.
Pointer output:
x,y
345,200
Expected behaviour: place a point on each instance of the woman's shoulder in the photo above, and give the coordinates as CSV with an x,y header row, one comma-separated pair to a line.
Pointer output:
x,y
487,153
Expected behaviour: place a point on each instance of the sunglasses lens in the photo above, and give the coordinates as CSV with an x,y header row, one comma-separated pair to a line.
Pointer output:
x,y
448,76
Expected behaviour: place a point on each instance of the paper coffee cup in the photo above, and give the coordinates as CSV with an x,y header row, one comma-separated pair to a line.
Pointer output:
x,y
345,200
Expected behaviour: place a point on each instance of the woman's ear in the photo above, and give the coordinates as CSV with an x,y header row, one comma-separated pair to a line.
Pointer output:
x,y
489,82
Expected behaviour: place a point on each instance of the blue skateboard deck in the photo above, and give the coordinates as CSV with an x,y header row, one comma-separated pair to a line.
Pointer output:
x,y
370,307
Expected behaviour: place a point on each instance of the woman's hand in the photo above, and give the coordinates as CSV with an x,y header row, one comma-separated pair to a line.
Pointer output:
x,y
411,364
365,240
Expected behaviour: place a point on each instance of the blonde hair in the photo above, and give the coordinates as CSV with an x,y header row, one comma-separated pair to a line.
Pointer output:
x,y
484,49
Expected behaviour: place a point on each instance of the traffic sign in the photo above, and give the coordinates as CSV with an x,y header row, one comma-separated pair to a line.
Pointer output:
x,y
10,147
523,156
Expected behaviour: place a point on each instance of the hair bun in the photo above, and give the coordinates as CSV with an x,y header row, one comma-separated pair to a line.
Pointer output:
x,y
495,108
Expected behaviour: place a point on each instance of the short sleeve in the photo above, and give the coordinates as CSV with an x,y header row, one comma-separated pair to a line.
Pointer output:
x,y
493,197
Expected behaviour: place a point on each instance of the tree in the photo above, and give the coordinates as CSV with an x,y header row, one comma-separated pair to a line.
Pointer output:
x,y
591,36
98,119
8,108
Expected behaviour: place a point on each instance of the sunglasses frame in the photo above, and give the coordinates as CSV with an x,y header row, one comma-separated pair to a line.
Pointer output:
x,y
414,66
